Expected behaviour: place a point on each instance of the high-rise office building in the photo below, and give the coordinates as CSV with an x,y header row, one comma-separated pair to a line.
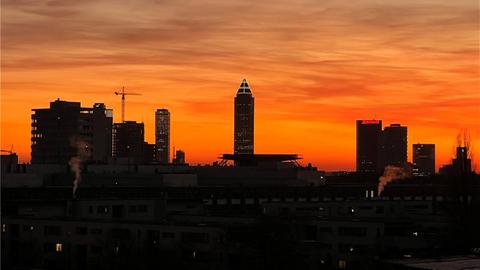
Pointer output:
x,y
244,120
424,158
162,135
128,141
58,131
394,145
368,145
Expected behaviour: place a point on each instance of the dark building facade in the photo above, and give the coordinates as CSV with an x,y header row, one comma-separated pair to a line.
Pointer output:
x,y
368,145
179,157
128,141
462,164
394,145
7,162
424,158
149,153
162,135
244,120
57,131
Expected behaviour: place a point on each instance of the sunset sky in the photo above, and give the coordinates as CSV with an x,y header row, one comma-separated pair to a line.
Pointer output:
x,y
314,68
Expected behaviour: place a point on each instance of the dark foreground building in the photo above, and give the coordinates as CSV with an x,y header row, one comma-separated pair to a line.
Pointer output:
x,y
66,130
232,227
244,120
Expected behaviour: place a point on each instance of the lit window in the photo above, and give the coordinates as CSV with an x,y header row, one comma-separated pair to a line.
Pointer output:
x,y
4,227
58,247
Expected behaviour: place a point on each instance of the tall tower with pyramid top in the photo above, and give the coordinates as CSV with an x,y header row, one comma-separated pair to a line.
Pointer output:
x,y
244,115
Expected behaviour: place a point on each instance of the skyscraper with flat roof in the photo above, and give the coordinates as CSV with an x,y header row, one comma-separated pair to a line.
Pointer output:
x,y
128,141
162,135
394,145
244,120
368,145
424,158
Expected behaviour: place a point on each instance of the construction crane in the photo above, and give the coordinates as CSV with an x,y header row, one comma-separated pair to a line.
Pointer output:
x,y
123,94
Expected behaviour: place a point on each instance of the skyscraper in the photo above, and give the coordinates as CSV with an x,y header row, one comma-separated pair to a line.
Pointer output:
x,y
244,120
368,145
58,131
162,135
424,158
128,141
394,145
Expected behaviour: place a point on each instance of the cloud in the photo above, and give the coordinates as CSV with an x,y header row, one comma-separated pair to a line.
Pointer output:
x,y
307,61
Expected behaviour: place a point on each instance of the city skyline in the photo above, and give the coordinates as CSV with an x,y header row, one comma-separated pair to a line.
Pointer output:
x,y
311,81
376,146
366,121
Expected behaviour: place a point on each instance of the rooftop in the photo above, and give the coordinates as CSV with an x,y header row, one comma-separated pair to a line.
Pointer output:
x,y
244,88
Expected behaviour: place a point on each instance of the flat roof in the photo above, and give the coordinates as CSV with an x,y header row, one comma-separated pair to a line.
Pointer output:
x,y
261,157
445,263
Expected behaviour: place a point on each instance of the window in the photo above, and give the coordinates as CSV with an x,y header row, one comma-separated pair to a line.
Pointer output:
x,y
58,247
101,209
96,231
15,230
310,232
82,230
325,229
28,227
52,230
90,209
49,247
142,208
132,208
194,237
168,235
117,211
96,249
352,231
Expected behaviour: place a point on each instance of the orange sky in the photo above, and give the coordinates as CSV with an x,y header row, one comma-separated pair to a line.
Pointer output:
x,y
314,68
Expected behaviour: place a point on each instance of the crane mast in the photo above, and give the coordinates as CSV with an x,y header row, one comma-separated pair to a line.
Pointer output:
x,y
123,94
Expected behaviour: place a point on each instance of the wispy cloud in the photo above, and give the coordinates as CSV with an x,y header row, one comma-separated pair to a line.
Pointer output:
x,y
321,62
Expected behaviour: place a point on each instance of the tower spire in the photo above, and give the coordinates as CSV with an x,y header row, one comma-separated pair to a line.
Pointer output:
x,y
244,88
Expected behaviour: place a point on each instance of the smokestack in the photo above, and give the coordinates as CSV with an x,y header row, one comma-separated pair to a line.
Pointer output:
x,y
389,174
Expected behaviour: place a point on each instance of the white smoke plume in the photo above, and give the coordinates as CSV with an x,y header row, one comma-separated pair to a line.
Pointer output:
x,y
83,153
389,174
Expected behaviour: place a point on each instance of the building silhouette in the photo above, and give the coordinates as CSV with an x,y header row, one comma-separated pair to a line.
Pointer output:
x,y
128,141
57,131
179,157
462,164
162,135
368,145
424,158
149,153
244,120
394,145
